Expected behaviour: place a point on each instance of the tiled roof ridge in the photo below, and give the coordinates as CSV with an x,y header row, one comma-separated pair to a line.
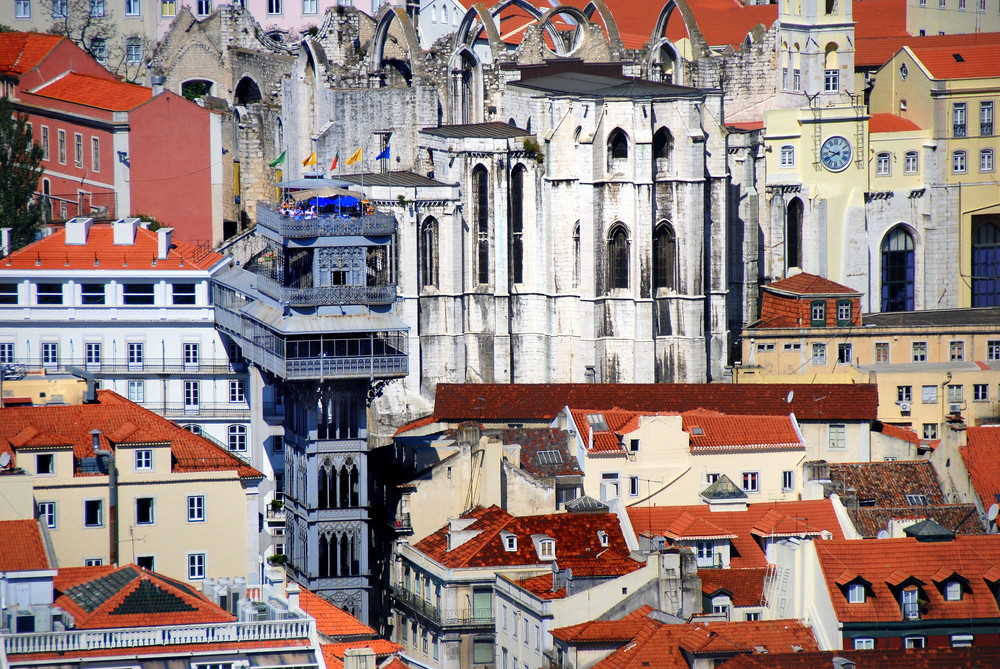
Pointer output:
x,y
21,546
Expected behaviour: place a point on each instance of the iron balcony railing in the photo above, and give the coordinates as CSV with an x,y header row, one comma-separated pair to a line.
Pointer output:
x,y
323,295
125,367
373,225
72,641
443,617
202,409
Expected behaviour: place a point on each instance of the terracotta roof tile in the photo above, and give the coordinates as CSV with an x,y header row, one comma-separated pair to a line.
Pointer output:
x,y
83,89
745,433
21,546
745,587
887,484
129,651
100,251
21,52
878,18
960,518
922,658
885,562
537,402
689,526
331,620
333,653
806,517
72,424
879,123
876,50
541,587
982,463
809,284
976,61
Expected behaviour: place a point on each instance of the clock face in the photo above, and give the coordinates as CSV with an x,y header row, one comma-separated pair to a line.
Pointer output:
x,y
835,153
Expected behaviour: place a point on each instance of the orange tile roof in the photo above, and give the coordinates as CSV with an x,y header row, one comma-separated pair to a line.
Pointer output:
x,y
331,620
100,252
67,577
982,463
806,517
690,526
22,52
333,653
804,283
899,658
541,586
878,18
885,563
745,433
456,402
72,424
83,89
976,61
745,587
880,123
21,546
133,597
876,50
128,651
575,534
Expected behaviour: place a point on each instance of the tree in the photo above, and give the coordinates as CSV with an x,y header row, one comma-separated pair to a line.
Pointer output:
x,y
91,25
20,169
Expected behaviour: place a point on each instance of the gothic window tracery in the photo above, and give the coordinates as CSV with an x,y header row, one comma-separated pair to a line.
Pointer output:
x,y
897,270
617,149
664,257
428,253
480,213
618,257
517,223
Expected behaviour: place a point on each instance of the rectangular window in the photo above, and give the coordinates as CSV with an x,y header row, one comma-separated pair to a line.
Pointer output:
x,y
168,8
784,78
132,8
62,145
844,355
837,437
752,616
986,160
633,486
796,80
882,351
93,562
930,430
956,392
60,8
993,349
49,293
45,142
961,640
986,118
196,566
961,5
97,8
196,508
819,354
93,513
958,119
914,642
788,480
855,593
182,293
50,353
7,353
137,294
883,164
919,351
237,391
135,356
8,293
144,511
928,394
95,154
191,354
751,482
92,293
791,347
831,81
959,164
203,7
844,312
22,9
45,463
705,550
133,50
865,643
47,514
143,459
912,163
817,313
93,355
787,156
980,392
309,7
273,6
956,351
78,149
765,347
904,393
192,393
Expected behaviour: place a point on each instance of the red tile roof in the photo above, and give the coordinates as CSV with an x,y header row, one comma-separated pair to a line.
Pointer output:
x,y
83,89
719,432
982,463
541,586
100,251
331,620
885,563
21,52
70,425
333,653
911,658
888,483
878,18
976,61
575,534
457,402
745,587
809,284
247,647
879,123
876,50
806,517
21,546
67,577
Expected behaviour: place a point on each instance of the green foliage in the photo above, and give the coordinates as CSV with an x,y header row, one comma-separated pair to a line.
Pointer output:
x,y
276,560
532,148
154,224
4,28
195,89
20,169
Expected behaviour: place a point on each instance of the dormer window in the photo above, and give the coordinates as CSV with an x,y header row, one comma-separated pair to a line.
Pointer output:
x,y
910,601
602,536
547,549
817,313
510,542
953,591
856,593
597,422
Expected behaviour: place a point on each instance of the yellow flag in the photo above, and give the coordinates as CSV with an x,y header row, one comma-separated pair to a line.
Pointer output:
x,y
311,160
355,157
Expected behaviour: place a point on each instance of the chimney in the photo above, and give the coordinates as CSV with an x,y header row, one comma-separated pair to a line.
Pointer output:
x,y
359,658
109,456
157,81
164,237
4,242
125,231
292,591
77,230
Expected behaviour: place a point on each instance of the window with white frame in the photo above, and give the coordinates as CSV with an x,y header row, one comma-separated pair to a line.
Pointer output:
x,y
45,142
953,590
22,9
238,438
928,394
135,356
547,549
959,163
961,640
136,294
956,392
97,9
92,351
60,8
787,156
856,593
273,6
956,350
986,116
132,8
751,482
904,393
93,562
168,8
6,352
203,7
883,164
865,643
143,459
980,392
633,486
958,119
919,351
309,7
183,293
237,391
196,508
882,351
796,80
196,566
819,354
50,353
831,81
137,391
837,436
191,354
914,642
845,355
133,50
192,396
8,293
911,162
930,430
47,514
49,293
986,160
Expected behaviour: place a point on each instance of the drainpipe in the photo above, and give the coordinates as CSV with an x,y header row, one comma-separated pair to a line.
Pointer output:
x,y
112,495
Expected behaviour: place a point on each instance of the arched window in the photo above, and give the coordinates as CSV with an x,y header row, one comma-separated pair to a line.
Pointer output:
x,y
664,257
247,92
617,145
236,135
665,65
427,246
793,233
986,263
618,258
279,137
481,221
663,146
517,224
576,255
897,270
238,438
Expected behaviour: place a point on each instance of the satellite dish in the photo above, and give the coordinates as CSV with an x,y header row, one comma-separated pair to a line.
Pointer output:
x,y
791,396
882,534
991,514
5,462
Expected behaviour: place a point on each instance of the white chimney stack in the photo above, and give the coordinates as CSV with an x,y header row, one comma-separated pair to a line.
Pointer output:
x,y
292,591
164,237
125,231
359,658
4,242
77,230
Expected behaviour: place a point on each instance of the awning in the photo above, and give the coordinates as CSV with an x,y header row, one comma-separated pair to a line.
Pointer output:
x,y
313,183
325,191
356,323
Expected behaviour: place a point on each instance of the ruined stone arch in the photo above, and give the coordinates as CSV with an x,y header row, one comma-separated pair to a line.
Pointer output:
x,y
580,34
208,86
755,35
665,63
465,86
610,24
411,44
247,91
479,15
698,45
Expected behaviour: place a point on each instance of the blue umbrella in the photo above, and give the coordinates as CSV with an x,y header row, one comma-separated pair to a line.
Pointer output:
x,y
345,201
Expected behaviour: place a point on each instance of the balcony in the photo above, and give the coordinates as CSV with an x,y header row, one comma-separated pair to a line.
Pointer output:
x,y
301,297
146,367
468,618
401,524
73,641
375,225
201,410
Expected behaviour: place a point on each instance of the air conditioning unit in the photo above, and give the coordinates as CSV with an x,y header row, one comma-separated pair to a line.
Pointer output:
x,y
955,408
904,407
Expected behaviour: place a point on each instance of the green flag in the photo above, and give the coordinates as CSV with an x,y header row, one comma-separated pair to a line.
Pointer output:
x,y
280,160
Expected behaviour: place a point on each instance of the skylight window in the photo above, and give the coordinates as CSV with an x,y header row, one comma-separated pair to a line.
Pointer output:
x,y
697,430
597,422
916,500
550,457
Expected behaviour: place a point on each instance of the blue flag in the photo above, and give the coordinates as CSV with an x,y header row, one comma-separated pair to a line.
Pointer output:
x,y
384,154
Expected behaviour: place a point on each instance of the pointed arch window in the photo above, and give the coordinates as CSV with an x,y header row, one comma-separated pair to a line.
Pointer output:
x,y
897,270
664,257
663,146
793,233
576,255
480,213
618,256
517,223
986,263
617,148
428,253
